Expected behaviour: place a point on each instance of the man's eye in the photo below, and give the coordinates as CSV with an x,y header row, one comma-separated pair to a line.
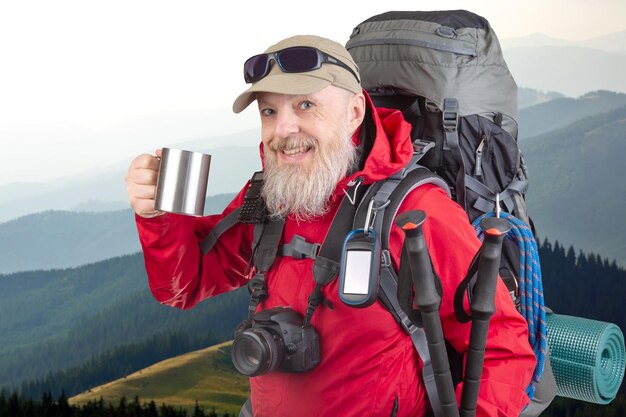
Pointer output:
x,y
306,105
267,112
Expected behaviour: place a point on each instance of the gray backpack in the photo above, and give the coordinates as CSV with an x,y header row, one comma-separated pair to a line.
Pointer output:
x,y
445,71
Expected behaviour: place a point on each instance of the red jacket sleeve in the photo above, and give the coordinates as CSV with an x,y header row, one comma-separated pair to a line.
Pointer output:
x,y
178,274
509,358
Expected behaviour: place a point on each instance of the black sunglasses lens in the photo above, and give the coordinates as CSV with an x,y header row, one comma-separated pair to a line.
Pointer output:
x,y
298,59
255,68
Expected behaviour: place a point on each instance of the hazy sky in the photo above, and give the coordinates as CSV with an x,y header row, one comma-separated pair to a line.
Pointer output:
x,y
95,64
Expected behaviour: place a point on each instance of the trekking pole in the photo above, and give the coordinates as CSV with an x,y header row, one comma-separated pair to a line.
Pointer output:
x,y
482,308
428,301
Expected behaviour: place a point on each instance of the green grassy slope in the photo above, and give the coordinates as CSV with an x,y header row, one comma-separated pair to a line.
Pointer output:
x,y
205,375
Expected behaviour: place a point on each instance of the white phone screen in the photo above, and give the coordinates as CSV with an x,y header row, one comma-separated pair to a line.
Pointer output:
x,y
357,272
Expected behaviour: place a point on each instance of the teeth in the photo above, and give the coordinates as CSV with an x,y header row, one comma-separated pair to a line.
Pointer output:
x,y
295,151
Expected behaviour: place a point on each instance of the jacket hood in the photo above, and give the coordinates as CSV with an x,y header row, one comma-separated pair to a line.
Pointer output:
x,y
392,148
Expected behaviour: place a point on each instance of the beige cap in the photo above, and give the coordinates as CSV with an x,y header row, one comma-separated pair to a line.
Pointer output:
x,y
277,81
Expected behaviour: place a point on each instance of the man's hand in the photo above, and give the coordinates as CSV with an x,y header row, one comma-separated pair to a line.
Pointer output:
x,y
141,181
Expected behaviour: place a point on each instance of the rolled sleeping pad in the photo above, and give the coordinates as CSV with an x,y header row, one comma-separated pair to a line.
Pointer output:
x,y
587,357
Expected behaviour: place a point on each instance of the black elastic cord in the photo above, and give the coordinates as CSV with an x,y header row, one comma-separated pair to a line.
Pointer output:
x,y
465,288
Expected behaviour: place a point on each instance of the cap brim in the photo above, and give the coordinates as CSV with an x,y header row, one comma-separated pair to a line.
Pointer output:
x,y
281,83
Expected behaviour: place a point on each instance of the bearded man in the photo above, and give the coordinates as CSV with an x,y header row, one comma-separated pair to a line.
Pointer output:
x,y
312,110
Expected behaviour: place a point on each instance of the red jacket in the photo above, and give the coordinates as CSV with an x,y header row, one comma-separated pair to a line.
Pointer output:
x,y
367,361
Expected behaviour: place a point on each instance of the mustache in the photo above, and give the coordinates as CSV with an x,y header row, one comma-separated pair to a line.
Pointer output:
x,y
286,144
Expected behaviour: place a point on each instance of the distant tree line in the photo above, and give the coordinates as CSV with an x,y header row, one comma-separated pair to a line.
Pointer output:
x,y
583,285
566,407
14,405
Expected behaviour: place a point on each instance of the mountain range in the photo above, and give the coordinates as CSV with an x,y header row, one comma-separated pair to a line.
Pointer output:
x,y
104,189
577,185
60,239
543,67
562,111
572,71
613,42
107,185
527,97
571,68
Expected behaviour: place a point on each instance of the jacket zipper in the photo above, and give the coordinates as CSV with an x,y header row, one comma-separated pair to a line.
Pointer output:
x,y
478,170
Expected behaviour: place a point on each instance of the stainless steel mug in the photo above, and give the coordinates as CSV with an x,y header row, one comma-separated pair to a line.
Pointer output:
x,y
182,182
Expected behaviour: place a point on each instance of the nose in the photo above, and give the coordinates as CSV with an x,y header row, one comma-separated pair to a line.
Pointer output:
x,y
286,123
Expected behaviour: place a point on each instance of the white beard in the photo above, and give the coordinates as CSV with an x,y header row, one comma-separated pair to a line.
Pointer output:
x,y
305,191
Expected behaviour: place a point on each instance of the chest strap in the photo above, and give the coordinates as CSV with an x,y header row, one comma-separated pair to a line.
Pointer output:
x,y
299,248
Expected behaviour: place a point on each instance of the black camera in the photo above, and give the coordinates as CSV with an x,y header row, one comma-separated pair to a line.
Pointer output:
x,y
275,339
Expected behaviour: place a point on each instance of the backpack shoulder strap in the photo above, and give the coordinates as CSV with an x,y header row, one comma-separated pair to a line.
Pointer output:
x,y
385,199
223,225
251,211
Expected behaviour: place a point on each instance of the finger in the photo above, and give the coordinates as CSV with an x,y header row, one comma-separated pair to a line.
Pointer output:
x,y
159,152
145,208
146,161
143,176
141,191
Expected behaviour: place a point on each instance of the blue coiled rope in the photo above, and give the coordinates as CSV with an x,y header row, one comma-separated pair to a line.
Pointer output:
x,y
530,289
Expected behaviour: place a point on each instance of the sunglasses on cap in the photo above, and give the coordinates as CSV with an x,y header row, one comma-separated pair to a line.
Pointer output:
x,y
289,60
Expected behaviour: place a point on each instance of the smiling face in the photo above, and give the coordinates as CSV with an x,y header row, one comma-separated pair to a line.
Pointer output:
x,y
307,147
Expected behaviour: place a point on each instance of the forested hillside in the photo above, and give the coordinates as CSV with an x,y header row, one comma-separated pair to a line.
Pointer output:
x,y
585,285
84,312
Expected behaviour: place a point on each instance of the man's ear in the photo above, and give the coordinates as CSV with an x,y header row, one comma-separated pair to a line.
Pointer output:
x,y
356,111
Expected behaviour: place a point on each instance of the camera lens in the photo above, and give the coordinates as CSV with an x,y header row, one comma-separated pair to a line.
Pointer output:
x,y
256,352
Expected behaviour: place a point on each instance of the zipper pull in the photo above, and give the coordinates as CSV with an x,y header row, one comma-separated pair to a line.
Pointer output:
x,y
478,170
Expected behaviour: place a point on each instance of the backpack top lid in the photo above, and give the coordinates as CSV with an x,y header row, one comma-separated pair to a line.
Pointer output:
x,y
437,55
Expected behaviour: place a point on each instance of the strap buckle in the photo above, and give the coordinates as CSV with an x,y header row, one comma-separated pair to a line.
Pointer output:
x,y
385,259
256,286
299,248
421,146
450,114
408,325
